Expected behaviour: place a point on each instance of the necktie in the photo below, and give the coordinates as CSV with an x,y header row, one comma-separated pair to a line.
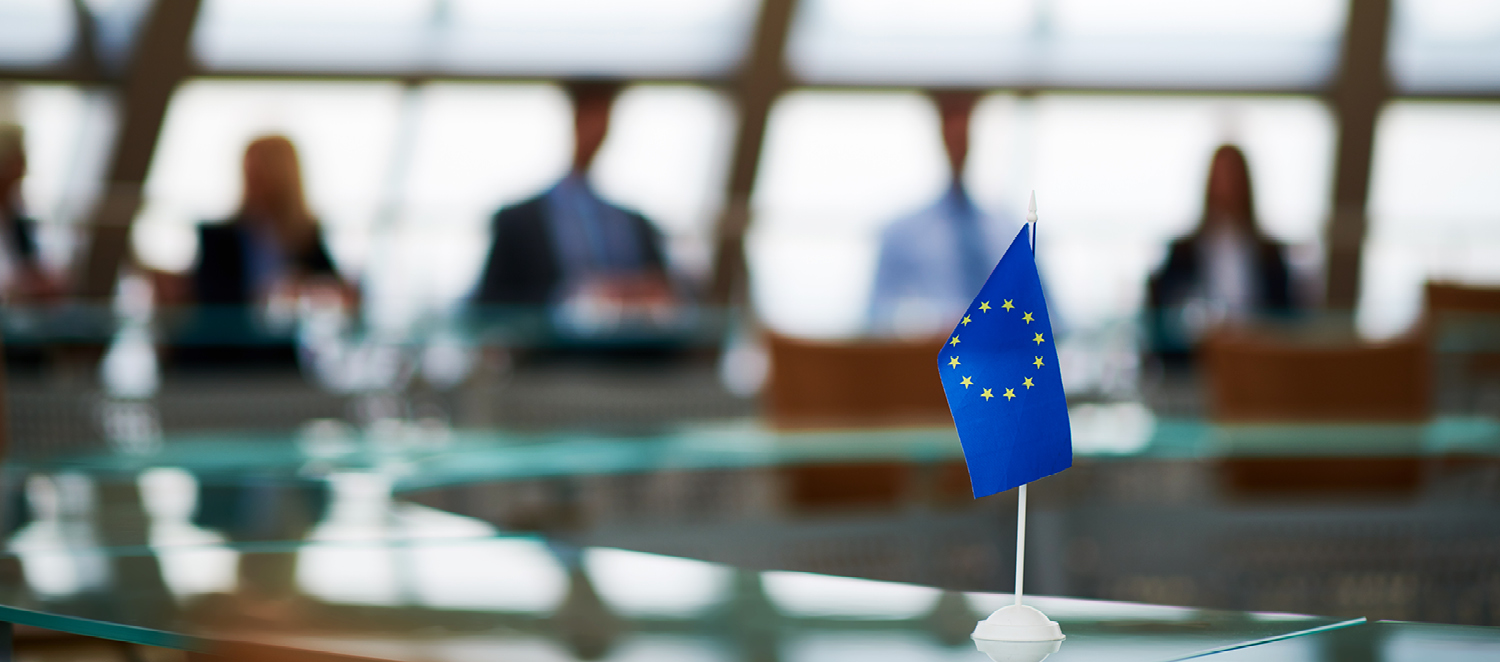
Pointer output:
x,y
973,265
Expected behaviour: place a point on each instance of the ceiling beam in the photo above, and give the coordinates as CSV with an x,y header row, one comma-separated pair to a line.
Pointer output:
x,y
158,62
762,79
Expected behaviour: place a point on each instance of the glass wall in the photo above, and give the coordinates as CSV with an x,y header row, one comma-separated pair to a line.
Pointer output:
x,y
1434,207
1445,45
345,133
68,131
1117,177
405,180
1171,43
35,33
578,37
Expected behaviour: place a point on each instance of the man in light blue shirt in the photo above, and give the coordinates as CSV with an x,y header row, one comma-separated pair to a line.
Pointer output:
x,y
934,261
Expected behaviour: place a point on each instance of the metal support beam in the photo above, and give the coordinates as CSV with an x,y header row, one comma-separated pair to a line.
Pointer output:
x,y
763,79
158,63
1359,93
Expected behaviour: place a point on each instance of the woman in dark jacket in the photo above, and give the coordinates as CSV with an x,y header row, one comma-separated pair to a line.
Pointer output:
x,y
269,250
1228,270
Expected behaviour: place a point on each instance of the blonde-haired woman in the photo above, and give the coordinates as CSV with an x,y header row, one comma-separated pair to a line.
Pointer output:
x,y
271,244
269,249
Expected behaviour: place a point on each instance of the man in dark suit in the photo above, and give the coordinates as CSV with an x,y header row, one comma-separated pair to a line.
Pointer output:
x,y
570,243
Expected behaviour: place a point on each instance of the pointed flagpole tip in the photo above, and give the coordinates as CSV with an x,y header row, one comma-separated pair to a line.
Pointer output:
x,y
1031,209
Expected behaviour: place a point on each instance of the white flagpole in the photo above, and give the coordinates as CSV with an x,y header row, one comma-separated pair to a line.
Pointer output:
x,y
1021,501
1020,541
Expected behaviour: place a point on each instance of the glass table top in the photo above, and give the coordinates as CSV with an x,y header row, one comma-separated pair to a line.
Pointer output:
x,y
420,457
459,597
1385,641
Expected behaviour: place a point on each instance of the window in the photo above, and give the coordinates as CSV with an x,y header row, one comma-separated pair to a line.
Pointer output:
x,y
1445,45
1167,43
563,37
473,148
836,168
599,37
1117,177
312,34
35,33
478,147
344,133
668,156
405,182
68,132
1434,208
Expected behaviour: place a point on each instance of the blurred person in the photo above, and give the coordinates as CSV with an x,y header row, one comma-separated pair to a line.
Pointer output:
x,y
269,254
571,246
22,276
271,247
1226,271
934,261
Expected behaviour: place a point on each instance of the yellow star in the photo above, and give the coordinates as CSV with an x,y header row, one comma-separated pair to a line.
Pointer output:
x,y
984,306
954,342
1038,339
1027,317
966,320
986,395
1037,362
1007,305
1028,383
953,363
966,383
1010,394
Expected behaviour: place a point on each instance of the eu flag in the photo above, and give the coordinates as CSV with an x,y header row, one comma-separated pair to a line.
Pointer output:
x,y
999,370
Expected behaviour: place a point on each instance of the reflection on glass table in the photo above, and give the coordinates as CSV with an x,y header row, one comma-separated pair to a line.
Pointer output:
x,y
418,456
486,597
1387,641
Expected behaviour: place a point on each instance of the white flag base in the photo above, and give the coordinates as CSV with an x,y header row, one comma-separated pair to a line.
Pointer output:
x,y
1017,623
1017,651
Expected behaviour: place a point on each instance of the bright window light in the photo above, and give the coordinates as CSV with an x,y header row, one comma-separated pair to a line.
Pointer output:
x,y
640,584
1434,208
1158,42
35,32
1445,44
473,149
311,34
562,37
836,168
1116,177
1268,18
478,147
667,156
495,574
903,40
193,560
344,133
68,134
598,37
821,596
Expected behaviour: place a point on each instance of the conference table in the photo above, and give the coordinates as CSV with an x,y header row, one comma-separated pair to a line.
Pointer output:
x,y
422,543
452,594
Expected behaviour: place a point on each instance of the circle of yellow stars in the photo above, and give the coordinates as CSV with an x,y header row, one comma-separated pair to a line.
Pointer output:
x,y
968,381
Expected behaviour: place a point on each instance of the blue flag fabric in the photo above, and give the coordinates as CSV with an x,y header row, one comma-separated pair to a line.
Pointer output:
x,y
999,371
